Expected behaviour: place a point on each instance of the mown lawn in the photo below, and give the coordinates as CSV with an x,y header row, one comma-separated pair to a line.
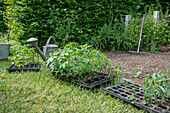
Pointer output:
x,y
42,92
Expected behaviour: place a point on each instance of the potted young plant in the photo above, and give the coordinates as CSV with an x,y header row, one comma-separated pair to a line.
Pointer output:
x,y
80,64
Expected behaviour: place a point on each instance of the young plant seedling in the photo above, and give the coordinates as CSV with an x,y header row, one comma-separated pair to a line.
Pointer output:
x,y
117,71
156,87
76,60
133,96
127,80
23,55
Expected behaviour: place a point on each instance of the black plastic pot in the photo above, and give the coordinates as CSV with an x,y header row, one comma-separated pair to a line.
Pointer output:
x,y
93,83
123,91
29,67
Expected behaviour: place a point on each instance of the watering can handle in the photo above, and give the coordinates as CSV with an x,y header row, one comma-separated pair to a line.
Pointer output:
x,y
48,43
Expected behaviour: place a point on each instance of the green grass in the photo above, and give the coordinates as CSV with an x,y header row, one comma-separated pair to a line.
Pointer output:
x,y
42,92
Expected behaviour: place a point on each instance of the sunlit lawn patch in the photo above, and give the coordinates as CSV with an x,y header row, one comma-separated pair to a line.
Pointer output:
x,y
42,92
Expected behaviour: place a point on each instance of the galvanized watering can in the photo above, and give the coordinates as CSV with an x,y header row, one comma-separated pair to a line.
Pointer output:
x,y
47,49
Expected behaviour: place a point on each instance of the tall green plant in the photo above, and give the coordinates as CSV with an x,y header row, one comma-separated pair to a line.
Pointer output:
x,y
113,37
13,14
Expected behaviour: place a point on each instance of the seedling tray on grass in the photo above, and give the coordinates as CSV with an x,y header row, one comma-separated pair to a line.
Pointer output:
x,y
93,83
29,67
123,91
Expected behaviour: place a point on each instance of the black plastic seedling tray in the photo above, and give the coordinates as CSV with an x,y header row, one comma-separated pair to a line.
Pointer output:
x,y
93,83
123,91
29,67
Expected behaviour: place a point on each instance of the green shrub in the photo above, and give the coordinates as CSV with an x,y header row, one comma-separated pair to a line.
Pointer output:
x,y
158,32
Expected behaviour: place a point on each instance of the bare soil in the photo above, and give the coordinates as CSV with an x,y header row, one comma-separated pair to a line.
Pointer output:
x,y
146,63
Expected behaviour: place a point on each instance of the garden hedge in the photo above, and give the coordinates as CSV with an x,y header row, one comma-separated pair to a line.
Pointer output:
x,y
65,20
3,27
77,20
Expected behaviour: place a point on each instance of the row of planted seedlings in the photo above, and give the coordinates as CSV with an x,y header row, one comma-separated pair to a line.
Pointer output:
x,y
153,95
83,65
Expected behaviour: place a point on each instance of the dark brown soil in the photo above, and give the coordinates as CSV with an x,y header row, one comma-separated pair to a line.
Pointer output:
x,y
146,63
125,89
138,101
160,110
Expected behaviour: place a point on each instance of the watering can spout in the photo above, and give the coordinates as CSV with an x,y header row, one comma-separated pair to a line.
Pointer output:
x,y
34,41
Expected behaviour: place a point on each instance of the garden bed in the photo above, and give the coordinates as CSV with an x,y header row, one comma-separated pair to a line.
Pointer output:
x,y
92,81
29,67
146,64
123,91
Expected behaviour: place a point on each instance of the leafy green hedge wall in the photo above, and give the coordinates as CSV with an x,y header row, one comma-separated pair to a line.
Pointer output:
x,y
3,27
69,20
66,20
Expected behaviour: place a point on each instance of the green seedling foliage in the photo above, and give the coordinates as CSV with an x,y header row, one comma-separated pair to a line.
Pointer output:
x,y
136,75
156,87
75,60
127,80
23,54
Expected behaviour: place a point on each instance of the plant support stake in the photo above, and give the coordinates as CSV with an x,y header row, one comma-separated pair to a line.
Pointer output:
x,y
141,33
127,20
156,16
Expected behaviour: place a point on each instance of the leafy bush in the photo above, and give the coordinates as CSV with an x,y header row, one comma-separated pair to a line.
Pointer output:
x,y
75,60
23,54
113,37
